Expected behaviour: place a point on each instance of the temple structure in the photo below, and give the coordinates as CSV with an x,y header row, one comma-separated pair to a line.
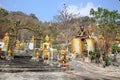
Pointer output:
x,y
83,41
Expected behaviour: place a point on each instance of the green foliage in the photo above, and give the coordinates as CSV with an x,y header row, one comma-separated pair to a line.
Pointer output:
x,y
3,12
115,48
33,16
56,44
107,60
106,19
92,55
117,39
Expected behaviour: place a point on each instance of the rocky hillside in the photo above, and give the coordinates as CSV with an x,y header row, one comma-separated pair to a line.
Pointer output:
x,y
55,30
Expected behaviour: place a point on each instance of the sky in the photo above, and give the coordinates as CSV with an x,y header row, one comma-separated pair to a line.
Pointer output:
x,y
46,9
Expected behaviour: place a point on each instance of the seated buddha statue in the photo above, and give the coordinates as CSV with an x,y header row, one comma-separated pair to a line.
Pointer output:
x,y
81,31
17,46
37,54
32,39
90,32
63,59
9,53
5,40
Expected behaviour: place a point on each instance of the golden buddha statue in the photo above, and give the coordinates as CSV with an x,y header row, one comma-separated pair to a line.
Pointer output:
x,y
101,38
17,46
47,42
46,53
46,48
9,54
63,60
22,44
32,39
37,54
5,40
90,32
82,33
0,52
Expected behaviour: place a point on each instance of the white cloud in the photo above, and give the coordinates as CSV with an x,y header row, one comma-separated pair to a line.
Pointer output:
x,y
82,11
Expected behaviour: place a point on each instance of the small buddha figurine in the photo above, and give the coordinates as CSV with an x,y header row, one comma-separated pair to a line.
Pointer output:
x,y
22,44
9,54
32,39
0,52
5,40
63,60
37,54
17,46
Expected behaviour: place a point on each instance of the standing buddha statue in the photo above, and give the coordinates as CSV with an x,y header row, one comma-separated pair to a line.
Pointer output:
x,y
31,44
22,44
5,40
46,49
47,42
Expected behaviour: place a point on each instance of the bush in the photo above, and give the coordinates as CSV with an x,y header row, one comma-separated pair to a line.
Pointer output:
x,y
115,48
92,55
107,60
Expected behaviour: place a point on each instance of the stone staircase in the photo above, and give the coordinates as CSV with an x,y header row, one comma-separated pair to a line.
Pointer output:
x,y
24,64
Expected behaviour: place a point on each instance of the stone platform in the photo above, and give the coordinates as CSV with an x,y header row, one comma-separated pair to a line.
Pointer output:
x,y
24,64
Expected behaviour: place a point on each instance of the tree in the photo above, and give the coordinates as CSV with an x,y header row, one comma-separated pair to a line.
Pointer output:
x,y
3,12
64,17
107,24
33,16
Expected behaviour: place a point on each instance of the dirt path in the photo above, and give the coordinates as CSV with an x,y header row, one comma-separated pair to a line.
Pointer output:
x,y
93,71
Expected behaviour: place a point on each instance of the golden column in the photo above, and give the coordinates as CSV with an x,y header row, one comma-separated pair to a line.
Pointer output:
x,y
76,45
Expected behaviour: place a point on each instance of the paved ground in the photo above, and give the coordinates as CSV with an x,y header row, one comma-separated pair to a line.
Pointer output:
x,y
82,71
40,76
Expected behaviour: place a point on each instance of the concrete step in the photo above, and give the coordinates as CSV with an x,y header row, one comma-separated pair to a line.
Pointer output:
x,y
21,64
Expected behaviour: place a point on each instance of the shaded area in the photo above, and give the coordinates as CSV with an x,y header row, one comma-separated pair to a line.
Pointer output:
x,y
24,63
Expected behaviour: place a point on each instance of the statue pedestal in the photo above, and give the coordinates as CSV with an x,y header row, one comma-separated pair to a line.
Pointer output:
x,y
73,56
86,59
77,45
9,57
35,59
90,44
64,65
31,46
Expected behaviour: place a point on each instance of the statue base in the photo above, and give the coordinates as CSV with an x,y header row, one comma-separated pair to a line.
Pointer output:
x,y
9,57
35,59
64,65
